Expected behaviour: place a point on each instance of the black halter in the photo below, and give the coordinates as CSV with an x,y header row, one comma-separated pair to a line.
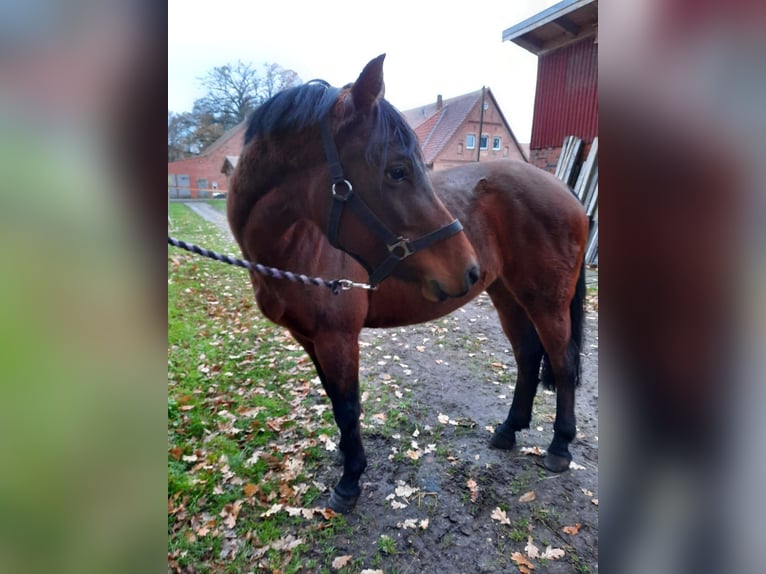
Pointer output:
x,y
399,248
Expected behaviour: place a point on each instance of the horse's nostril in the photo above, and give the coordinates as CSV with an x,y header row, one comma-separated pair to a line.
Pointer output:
x,y
472,275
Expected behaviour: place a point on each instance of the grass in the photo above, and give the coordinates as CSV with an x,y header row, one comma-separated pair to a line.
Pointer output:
x,y
242,436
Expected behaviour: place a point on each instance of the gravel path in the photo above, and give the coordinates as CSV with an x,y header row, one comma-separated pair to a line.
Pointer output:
x,y
211,214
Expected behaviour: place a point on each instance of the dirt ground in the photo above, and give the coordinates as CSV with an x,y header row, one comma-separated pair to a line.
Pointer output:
x,y
454,378
462,367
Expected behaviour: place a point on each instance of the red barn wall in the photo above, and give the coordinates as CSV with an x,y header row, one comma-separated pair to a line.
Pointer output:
x,y
566,100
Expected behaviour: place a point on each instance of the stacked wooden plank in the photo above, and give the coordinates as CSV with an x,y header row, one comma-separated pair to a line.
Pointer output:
x,y
585,186
566,168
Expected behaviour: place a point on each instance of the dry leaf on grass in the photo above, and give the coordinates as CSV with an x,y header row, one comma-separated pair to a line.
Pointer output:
x,y
533,450
250,489
341,561
473,488
522,562
229,513
271,511
552,553
500,516
528,496
531,550
572,530
368,571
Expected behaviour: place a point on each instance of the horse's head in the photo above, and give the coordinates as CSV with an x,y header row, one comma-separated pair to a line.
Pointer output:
x,y
384,211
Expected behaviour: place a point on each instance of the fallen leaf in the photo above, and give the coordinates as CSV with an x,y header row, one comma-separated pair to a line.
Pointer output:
x,y
408,523
271,511
368,571
572,530
329,444
176,453
587,492
424,524
575,466
229,513
473,488
250,489
533,450
521,561
287,543
443,419
500,516
341,561
326,513
531,550
405,490
552,553
595,501
396,505
528,496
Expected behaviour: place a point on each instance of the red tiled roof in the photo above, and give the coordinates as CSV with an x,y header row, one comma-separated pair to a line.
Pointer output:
x,y
238,130
436,125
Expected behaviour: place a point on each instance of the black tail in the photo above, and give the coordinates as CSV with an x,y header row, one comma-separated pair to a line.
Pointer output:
x,y
577,318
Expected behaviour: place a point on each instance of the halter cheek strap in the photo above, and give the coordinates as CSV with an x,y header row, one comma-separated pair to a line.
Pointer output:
x,y
399,248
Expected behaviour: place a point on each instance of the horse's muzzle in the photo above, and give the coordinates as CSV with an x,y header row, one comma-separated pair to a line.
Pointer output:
x,y
470,279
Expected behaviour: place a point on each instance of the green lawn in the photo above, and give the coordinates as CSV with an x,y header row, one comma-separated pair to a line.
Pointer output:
x,y
242,436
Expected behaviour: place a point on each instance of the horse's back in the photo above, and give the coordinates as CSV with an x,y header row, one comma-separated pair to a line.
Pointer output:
x,y
526,184
514,199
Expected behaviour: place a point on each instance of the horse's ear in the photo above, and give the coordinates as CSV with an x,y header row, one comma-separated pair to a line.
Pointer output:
x,y
369,87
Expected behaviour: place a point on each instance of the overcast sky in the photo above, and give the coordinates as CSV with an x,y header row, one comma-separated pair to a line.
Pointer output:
x,y
432,47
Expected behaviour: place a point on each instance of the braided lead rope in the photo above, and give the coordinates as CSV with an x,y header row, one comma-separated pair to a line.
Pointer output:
x,y
336,285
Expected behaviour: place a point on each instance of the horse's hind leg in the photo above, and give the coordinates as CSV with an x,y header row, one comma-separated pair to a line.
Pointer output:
x,y
336,357
528,351
554,329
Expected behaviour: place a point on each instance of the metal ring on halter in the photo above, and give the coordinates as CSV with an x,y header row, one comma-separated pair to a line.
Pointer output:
x,y
401,248
349,190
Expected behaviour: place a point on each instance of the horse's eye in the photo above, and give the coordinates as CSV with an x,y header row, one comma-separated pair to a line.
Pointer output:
x,y
397,173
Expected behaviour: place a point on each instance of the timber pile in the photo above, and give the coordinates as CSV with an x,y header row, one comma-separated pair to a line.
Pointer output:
x,y
585,187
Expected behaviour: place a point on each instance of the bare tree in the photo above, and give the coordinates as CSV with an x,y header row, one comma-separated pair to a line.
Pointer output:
x,y
275,79
180,130
232,93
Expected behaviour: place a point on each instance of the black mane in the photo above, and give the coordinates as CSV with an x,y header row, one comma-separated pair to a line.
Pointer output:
x,y
293,109
300,107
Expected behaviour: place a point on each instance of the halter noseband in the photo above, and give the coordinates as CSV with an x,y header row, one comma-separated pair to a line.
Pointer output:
x,y
343,195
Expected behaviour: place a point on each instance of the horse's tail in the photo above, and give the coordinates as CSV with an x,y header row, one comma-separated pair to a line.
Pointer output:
x,y
577,318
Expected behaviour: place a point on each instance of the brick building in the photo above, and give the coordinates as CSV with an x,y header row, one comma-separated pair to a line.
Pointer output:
x,y
565,39
448,131
463,129
201,176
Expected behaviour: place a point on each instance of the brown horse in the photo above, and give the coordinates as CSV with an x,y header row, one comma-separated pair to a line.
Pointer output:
x,y
324,167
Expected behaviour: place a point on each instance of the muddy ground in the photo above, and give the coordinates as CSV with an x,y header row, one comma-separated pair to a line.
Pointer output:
x,y
448,382
462,367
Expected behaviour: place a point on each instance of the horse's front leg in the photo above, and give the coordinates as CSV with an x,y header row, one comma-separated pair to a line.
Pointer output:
x,y
336,357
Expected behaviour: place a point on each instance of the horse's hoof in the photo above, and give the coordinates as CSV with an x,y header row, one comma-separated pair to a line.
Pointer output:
x,y
342,504
556,463
503,440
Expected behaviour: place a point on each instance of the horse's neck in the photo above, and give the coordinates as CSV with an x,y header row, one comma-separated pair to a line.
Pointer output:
x,y
290,201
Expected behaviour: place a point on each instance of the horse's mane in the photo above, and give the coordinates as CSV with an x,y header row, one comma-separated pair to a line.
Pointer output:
x,y
292,110
300,107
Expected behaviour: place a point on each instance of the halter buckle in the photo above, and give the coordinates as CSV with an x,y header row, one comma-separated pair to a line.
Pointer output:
x,y
401,249
340,196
